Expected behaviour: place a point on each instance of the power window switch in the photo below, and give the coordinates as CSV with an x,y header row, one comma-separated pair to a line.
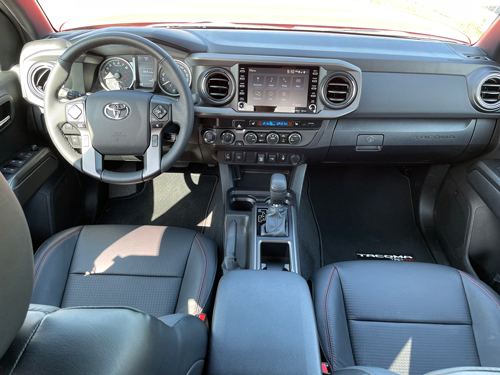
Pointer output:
x,y
16,163
8,170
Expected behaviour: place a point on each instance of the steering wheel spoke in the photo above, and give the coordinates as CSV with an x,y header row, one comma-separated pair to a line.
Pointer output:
x,y
76,114
92,160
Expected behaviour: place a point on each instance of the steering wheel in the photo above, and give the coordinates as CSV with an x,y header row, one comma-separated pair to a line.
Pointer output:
x,y
118,122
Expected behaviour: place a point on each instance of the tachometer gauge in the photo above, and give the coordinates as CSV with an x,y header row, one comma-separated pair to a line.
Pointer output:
x,y
116,74
166,86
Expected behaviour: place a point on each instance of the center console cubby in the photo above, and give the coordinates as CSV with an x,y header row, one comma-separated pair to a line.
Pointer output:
x,y
263,323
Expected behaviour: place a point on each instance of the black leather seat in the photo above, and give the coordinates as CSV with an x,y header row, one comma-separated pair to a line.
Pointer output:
x,y
157,270
410,318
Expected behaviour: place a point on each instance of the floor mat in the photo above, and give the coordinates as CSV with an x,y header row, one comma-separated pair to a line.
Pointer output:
x,y
365,213
171,199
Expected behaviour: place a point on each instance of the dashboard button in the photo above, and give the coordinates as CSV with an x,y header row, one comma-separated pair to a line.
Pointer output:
x,y
227,137
283,158
238,156
228,156
238,124
284,138
239,143
272,138
261,158
271,158
251,138
294,138
250,158
261,137
296,123
253,122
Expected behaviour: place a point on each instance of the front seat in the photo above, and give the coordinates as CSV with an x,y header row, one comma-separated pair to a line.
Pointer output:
x,y
173,272
158,270
409,318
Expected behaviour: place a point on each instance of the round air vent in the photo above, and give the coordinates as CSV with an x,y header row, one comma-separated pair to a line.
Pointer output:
x,y
38,77
488,92
338,90
217,86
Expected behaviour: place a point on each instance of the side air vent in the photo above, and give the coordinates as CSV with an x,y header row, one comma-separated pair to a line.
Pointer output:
x,y
38,77
488,92
217,86
338,90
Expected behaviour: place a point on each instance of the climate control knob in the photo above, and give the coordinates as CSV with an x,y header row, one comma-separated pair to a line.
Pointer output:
x,y
209,137
272,138
251,138
227,137
294,138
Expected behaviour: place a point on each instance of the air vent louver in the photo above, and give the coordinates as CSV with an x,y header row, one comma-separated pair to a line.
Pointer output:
x,y
38,78
217,86
339,90
489,92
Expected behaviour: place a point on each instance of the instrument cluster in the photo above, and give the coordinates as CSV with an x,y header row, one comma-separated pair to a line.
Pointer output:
x,y
141,72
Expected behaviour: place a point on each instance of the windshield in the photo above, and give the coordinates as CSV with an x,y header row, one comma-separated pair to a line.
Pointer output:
x,y
463,21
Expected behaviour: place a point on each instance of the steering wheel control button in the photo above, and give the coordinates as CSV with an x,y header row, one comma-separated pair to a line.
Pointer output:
x,y
227,137
157,125
160,111
251,138
294,138
85,141
155,140
273,138
75,112
209,137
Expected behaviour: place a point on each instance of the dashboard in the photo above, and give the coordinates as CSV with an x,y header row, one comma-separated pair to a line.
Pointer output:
x,y
288,98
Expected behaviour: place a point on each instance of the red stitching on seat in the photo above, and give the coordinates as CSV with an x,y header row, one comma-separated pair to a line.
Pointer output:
x,y
328,339
484,290
49,250
328,319
203,275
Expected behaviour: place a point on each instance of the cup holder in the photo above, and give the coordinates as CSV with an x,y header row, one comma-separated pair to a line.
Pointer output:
x,y
240,205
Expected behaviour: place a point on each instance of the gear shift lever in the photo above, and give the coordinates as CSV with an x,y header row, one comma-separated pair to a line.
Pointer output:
x,y
278,189
276,220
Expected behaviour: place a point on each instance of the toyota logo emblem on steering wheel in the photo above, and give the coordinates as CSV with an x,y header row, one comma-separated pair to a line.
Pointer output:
x,y
116,111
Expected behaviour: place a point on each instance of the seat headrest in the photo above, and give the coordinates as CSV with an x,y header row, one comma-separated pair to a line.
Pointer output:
x,y
16,266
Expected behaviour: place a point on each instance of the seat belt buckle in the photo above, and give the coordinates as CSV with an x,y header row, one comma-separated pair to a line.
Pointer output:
x,y
325,369
203,317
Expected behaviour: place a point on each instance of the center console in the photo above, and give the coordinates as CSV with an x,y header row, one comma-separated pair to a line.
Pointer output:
x,y
263,323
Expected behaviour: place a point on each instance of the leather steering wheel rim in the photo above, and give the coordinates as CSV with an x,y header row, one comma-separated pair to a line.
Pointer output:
x,y
182,110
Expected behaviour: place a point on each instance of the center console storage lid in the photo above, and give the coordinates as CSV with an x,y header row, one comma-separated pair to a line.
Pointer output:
x,y
263,323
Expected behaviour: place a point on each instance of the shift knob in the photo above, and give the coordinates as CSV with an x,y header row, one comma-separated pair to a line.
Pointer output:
x,y
278,189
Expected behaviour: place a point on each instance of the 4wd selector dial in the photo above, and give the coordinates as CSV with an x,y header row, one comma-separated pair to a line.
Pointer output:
x,y
227,137
251,138
272,138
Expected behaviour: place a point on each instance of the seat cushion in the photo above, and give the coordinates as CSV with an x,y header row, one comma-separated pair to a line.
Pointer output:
x,y
105,341
158,270
410,318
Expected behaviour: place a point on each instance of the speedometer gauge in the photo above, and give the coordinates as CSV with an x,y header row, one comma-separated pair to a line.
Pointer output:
x,y
116,74
166,86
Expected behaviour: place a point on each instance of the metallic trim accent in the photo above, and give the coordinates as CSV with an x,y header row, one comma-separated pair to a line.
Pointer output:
x,y
480,101
232,86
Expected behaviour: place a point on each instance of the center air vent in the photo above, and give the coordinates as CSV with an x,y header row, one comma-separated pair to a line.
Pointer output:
x,y
217,86
38,77
488,92
338,90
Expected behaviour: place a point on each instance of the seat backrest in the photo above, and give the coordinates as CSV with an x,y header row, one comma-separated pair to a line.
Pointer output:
x,y
16,266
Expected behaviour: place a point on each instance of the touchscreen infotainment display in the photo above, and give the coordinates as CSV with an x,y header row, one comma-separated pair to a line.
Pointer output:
x,y
278,87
